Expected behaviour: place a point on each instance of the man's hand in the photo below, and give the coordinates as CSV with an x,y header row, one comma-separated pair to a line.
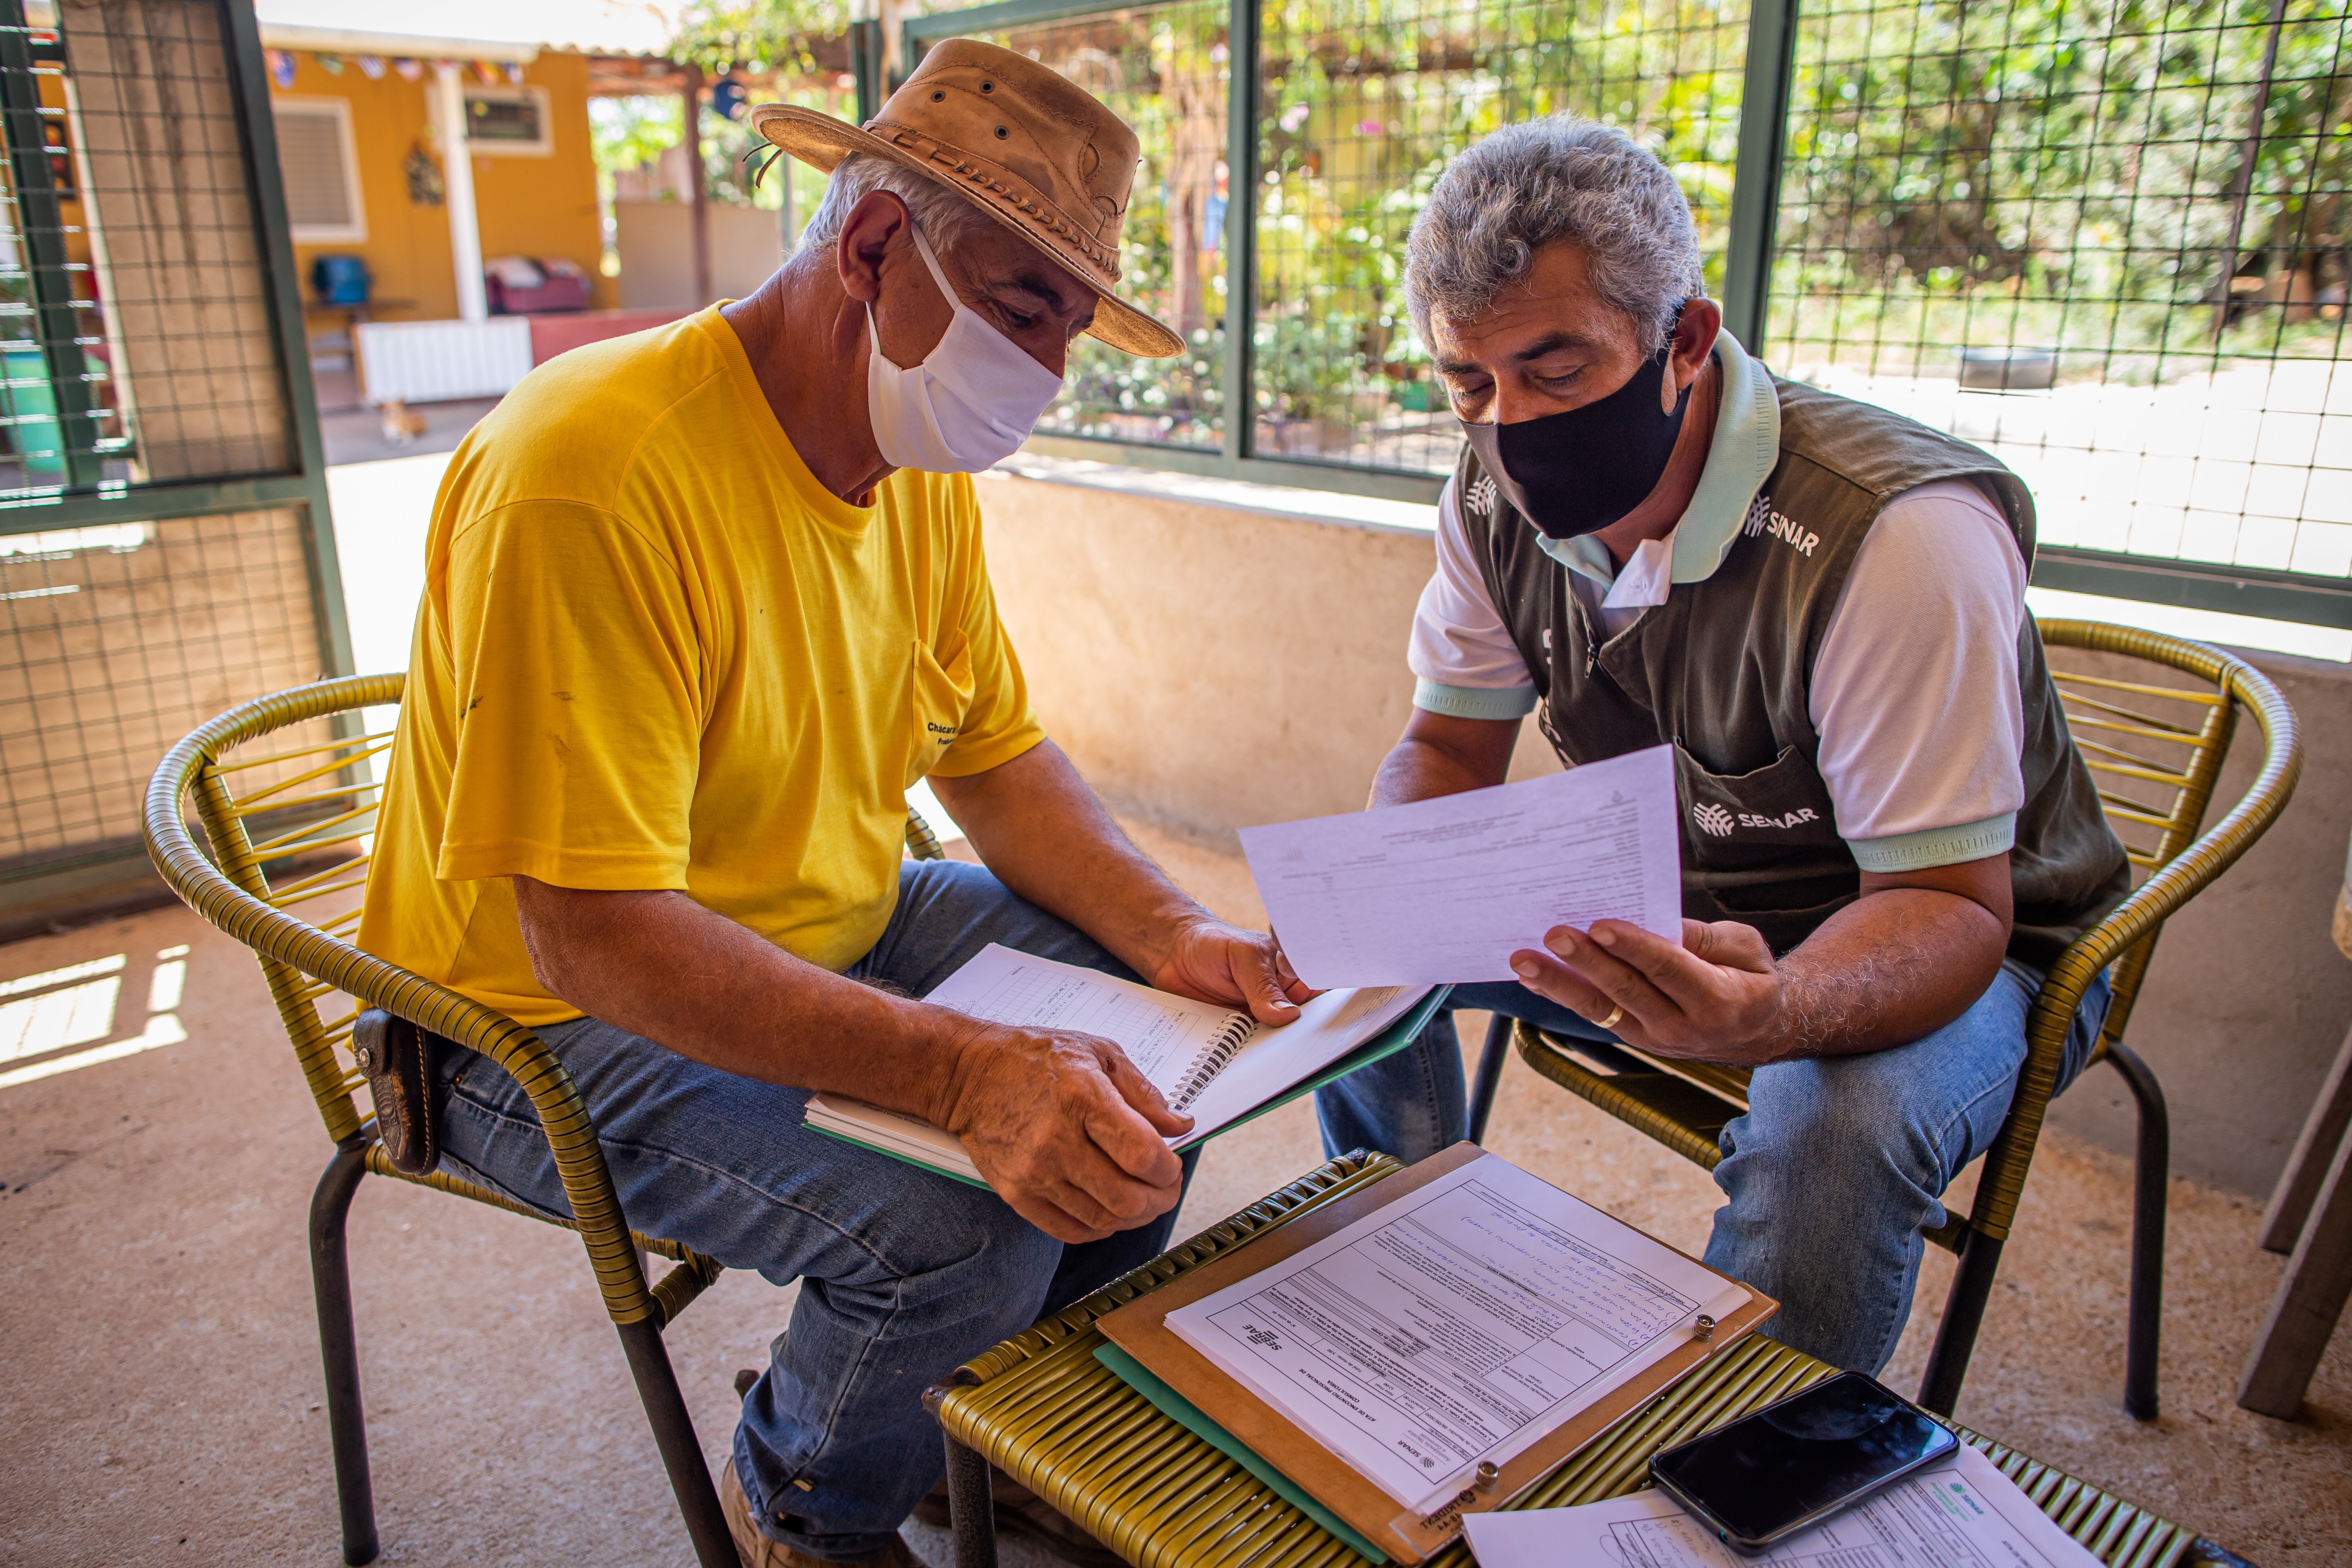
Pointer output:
x,y
1210,961
1042,832
1065,1127
1908,957
1717,997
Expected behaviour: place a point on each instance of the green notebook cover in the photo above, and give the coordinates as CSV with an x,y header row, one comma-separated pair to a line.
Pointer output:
x,y
1187,1414
1387,1043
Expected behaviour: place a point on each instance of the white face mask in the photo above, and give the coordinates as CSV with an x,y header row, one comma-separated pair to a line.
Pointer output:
x,y
966,408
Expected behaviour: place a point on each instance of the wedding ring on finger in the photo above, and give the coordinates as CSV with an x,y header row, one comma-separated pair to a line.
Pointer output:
x,y
1611,1021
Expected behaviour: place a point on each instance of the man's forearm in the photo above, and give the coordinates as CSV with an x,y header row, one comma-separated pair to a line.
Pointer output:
x,y
1437,755
661,965
1043,832
1891,967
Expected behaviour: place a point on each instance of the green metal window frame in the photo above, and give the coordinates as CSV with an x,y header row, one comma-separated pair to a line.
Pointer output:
x,y
91,503
1750,246
104,875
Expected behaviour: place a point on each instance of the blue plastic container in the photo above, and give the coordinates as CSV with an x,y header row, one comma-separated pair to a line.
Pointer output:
x,y
341,279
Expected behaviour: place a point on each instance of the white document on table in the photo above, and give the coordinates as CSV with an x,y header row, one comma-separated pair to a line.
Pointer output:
x,y
1463,1322
1961,1512
1443,891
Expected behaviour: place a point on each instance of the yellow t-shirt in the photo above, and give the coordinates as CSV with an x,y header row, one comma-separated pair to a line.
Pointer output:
x,y
653,652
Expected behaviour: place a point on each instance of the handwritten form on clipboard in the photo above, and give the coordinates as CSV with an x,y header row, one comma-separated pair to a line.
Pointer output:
x,y
1443,891
1462,1323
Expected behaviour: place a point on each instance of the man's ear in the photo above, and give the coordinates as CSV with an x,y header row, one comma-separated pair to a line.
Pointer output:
x,y
1694,341
873,225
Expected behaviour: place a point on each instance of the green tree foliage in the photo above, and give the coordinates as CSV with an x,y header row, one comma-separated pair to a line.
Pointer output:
x,y
2055,172
758,35
2064,172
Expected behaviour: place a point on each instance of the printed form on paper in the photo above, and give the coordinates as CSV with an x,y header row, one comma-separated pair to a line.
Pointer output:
x,y
1443,891
1463,1323
1960,1514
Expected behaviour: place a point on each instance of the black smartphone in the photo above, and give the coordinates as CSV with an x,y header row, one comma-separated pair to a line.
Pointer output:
x,y
1799,1459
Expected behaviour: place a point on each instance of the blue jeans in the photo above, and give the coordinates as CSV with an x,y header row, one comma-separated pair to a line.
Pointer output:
x,y
904,1274
1829,1179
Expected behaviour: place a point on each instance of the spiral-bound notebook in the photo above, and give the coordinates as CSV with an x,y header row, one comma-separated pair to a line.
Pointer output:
x,y
1216,1065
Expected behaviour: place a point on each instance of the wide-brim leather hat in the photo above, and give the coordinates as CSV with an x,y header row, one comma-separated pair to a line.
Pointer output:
x,y
1024,144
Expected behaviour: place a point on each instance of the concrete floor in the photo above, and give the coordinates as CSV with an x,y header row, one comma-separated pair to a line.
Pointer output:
x,y
161,1400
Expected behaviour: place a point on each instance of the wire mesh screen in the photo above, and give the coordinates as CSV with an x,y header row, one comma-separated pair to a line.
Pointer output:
x,y
1363,103
2106,241
1165,71
114,642
135,318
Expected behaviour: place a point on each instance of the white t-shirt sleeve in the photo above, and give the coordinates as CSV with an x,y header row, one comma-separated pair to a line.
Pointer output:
x,y
1464,664
1915,691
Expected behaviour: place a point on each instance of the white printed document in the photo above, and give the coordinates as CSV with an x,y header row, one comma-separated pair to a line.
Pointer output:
x,y
1443,891
1961,1512
1214,1064
1462,1324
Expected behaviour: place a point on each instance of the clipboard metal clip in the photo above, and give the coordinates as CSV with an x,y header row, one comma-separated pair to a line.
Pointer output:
x,y
1481,1482
1703,1328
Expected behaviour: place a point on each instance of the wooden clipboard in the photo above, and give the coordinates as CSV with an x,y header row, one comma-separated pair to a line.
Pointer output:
x,y
1140,1329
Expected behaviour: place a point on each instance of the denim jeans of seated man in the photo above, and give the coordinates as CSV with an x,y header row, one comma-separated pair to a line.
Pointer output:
x,y
904,1274
1829,1179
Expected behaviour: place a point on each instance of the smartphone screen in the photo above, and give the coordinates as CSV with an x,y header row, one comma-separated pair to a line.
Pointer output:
x,y
1797,1459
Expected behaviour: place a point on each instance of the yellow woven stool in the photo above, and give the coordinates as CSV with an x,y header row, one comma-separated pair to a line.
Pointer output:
x,y
1042,1409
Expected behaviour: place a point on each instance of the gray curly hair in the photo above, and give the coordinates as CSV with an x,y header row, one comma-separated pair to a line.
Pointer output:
x,y
1540,181
942,216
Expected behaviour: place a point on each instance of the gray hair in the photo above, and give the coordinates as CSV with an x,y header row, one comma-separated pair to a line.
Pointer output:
x,y
942,216
1540,181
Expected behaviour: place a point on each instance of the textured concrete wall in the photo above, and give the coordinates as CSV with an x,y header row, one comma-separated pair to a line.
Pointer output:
x,y
1217,665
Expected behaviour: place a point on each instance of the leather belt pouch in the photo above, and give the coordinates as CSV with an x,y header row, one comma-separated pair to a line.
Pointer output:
x,y
398,1058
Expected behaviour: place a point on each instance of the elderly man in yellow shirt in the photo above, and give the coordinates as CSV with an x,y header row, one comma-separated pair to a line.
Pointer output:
x,y
701,604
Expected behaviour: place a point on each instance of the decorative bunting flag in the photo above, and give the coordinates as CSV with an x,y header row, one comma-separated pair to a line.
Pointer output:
x,y
281,67
514,73
409,69
371,67
486,73
331,64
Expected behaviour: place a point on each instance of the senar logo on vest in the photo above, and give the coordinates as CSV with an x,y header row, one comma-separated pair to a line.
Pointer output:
x,y
1713,818
1762,519
1481,497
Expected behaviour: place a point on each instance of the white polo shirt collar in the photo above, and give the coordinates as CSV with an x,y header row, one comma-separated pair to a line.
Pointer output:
x,y
1740,457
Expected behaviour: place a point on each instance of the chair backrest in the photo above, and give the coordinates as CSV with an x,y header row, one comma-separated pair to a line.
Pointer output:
x,y
291,828
2154,748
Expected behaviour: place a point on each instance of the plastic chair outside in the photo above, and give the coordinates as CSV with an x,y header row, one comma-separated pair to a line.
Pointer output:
x,y
2156,751
315,804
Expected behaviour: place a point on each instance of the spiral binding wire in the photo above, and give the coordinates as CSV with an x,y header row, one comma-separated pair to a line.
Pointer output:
x,y
1213,1060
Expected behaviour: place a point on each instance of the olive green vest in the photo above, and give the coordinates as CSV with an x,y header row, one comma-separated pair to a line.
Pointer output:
x,y
1723,671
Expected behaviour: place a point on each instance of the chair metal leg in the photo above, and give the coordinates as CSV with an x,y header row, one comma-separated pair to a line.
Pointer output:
x,y
681,1452
1490,1075
339,1350
1956,1336
971,1507
2151,1169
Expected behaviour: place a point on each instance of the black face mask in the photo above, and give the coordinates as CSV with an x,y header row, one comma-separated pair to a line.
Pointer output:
x,y
1579,471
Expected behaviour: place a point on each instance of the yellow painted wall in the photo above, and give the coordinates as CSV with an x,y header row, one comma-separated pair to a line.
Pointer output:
x,y
526,206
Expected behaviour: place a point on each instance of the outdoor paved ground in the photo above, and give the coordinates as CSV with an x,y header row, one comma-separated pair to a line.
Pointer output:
x,y
160,1403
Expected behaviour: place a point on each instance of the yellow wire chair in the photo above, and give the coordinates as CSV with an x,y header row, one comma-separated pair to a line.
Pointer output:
x,y
2156,751
248,890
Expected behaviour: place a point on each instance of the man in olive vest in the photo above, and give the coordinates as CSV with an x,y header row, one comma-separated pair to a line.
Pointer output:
x,y
1887,835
